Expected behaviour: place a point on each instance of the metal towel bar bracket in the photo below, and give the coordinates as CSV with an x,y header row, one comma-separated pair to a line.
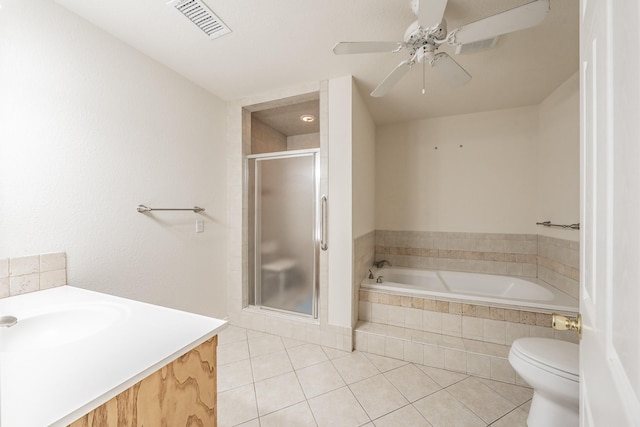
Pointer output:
x,y
571,226
143,209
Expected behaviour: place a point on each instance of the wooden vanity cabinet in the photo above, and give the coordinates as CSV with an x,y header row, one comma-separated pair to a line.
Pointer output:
x,y
183,393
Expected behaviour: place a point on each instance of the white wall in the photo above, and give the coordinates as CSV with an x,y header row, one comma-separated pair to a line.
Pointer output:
x,y
466,173
364,164
516,167
559,160
340,235
90,128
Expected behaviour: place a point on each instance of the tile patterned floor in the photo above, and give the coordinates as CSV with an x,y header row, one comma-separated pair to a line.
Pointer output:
x,y
265,380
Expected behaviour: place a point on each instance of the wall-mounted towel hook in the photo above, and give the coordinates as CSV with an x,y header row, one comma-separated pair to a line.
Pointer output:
x,y
144,209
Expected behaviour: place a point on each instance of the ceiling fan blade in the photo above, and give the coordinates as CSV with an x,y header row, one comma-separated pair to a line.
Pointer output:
x,y
450,70
431,12
392,78
343,48
515,19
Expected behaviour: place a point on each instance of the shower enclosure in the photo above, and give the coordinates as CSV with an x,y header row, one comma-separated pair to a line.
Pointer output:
x,y
284,231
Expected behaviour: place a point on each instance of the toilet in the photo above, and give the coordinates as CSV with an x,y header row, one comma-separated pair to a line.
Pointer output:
x,y
550,367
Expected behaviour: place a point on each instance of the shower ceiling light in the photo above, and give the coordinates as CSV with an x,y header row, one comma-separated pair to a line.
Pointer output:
x,y
308,118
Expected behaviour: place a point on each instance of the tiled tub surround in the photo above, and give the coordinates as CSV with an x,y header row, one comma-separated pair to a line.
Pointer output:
x,y
528,255
32,273
469,338
559,264
363,257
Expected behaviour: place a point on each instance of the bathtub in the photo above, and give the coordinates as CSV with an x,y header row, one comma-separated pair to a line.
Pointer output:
x,y
487,288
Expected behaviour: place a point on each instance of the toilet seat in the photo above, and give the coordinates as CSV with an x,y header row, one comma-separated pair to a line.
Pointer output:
x,y
556,357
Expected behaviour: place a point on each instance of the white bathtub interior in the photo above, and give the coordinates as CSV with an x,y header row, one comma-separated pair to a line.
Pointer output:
x,y
487,288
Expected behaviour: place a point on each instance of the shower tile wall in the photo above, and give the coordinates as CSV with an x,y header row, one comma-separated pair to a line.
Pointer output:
x,y
32,273
265,139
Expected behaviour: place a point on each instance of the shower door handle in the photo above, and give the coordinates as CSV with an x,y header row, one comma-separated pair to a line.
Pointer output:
x,y
323,223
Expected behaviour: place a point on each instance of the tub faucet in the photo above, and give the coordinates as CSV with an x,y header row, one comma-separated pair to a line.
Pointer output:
x,y
380,264
380,279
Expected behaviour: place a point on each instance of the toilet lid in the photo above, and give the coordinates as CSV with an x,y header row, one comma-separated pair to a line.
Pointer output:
x,y
556,356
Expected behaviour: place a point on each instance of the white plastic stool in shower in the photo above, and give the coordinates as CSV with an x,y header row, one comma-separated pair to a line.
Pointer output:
x,y
282,268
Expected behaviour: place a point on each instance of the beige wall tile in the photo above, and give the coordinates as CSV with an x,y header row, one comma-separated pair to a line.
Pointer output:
x,y
376,344
413,318
496,313
405,301
494,331
394,347
455,360
455,308
528,317
432,321
4,268
4,287
541,332
24,265
501,370
469,310
379,313
23,284
433,356
51,279
395,316
442,306
413,352
364,310
471,327
483,312
479,365
53,261
452,324
569,336
512,315
515,331
543,319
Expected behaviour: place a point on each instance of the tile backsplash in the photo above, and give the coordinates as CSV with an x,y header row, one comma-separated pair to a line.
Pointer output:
x,y
32,273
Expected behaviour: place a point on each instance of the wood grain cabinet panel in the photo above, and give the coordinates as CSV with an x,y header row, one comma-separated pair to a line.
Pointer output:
x,y
183,393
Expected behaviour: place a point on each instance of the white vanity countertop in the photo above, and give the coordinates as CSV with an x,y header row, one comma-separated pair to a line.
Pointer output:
x,y
52,380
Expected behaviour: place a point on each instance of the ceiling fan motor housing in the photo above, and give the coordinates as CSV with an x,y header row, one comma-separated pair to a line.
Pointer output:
x,y
422,40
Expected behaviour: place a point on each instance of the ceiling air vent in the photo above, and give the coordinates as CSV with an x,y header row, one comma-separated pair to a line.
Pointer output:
x,y
476,46
201,16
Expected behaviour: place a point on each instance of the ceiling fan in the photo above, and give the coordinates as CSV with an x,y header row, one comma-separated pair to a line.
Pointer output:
x,y
423,38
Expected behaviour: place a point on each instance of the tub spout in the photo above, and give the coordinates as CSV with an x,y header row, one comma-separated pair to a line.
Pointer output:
x,y
379,279
381,263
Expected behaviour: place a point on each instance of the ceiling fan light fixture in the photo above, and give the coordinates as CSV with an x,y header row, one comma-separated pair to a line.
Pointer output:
x,y
308,118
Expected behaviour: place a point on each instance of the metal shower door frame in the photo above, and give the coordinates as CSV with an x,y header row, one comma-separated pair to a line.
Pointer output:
x,y
316,232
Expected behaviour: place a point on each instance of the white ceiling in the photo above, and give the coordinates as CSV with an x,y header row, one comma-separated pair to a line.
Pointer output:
x,y
282,43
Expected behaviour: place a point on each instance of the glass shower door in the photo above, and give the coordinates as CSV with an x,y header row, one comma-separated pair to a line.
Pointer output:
x,y
285,231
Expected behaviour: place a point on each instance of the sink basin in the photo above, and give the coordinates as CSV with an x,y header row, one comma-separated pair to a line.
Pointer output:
x,y
59,325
